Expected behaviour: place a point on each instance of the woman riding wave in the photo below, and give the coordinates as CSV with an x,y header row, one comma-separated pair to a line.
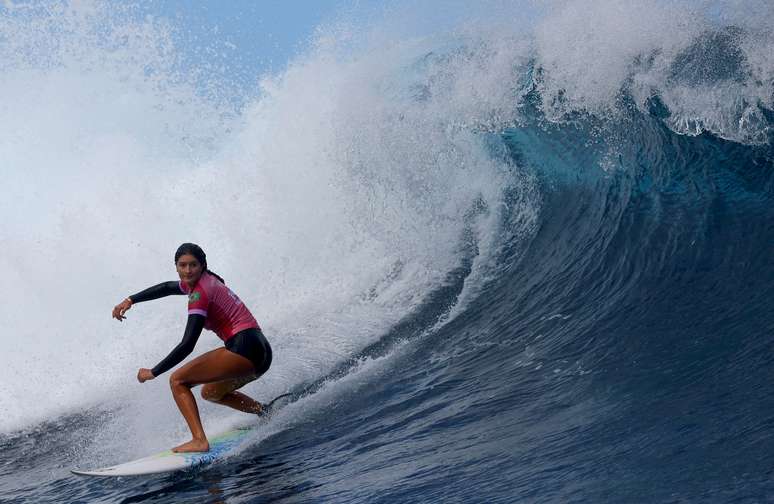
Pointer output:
x,y
213,306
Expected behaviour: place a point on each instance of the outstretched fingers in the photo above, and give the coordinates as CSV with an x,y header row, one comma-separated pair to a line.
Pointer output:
x,y
120,309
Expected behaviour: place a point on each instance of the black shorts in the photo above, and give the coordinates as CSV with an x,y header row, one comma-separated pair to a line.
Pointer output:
x,y
252,344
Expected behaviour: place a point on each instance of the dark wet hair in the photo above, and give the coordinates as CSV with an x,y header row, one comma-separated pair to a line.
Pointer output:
x,y
196,251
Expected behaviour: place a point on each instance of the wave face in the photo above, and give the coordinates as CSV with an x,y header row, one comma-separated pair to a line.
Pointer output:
x,y
527,258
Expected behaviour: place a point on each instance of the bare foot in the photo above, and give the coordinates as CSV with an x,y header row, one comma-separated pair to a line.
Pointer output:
x,y
194,445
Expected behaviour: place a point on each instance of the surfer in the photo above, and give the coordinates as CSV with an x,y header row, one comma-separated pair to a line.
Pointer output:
x,y
213,306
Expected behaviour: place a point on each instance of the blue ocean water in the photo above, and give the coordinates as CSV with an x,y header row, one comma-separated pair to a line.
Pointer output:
x,y
602,332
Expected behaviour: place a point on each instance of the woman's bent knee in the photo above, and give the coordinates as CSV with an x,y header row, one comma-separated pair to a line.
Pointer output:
x,y
177,380
211,393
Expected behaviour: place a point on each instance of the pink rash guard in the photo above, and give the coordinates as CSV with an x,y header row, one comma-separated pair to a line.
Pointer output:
x,y
224,312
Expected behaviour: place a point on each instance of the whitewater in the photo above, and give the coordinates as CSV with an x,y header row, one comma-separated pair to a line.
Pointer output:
x,y
523,256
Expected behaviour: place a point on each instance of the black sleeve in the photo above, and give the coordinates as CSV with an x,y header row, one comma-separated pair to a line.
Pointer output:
x,y
157,291
192,331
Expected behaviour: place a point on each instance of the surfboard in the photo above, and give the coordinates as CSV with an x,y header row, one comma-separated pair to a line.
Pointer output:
x,y
221,445
168,461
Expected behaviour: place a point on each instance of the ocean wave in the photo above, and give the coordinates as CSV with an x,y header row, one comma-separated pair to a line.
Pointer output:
x,y
533,246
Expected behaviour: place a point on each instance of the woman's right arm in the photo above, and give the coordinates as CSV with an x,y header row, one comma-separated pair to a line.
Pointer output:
x,y
193,329
157,291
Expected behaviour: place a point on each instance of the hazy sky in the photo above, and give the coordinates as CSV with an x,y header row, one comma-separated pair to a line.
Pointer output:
x,y
252,36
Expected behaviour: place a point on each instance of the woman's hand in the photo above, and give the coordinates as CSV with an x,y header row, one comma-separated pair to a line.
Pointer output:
x,y
120,309
144,375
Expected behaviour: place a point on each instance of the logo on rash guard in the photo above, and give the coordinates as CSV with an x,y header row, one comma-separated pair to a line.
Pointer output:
x,y
194,297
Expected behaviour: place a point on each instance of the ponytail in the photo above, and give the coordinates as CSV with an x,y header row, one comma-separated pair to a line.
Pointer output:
x,y
217,276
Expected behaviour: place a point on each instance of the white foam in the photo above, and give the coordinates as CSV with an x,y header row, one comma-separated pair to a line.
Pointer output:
x,y
590,52
333,202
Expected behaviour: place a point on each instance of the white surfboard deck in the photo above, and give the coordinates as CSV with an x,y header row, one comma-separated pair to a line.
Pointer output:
x,y
221,446
168,461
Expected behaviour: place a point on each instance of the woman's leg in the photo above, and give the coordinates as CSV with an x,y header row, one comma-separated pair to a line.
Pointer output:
x,y
224,392
213,366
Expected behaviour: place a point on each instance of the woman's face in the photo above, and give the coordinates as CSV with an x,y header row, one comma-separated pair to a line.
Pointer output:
x,y
189,268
